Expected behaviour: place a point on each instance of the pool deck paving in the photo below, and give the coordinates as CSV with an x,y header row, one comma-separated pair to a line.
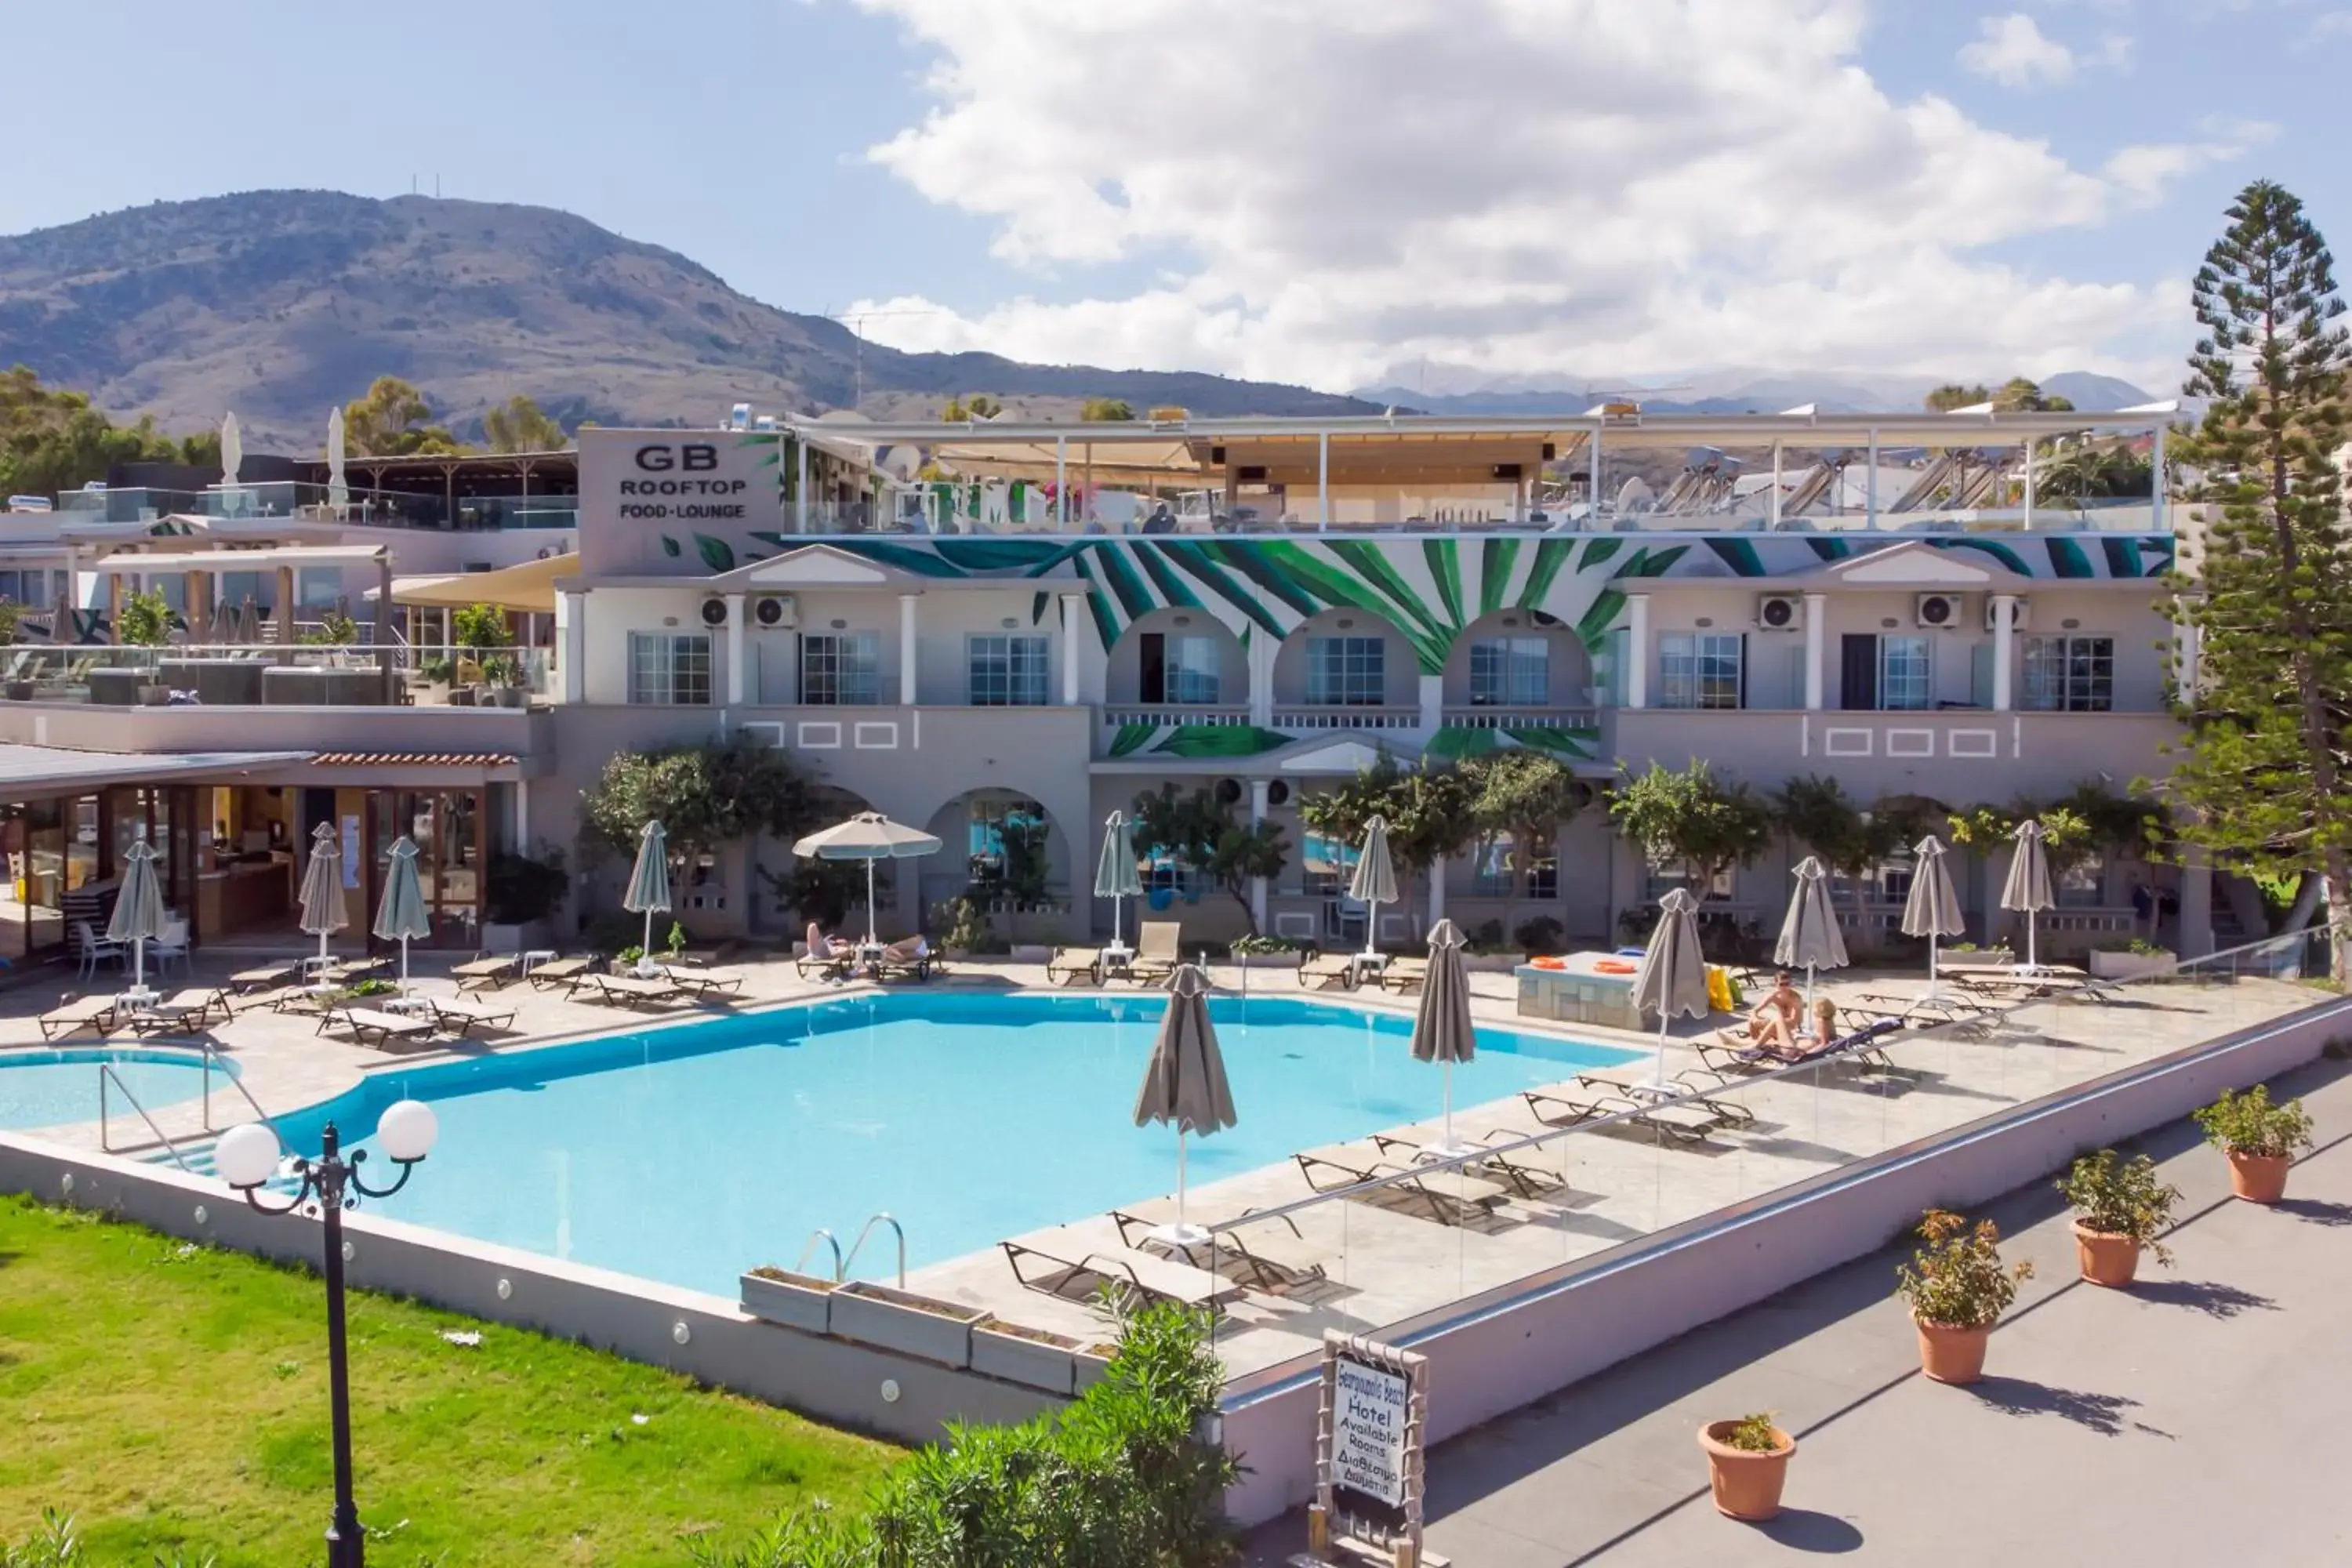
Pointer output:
x,y
1382,1262
2190,1419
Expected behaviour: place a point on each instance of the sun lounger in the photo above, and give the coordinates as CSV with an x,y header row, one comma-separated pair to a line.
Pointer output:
x,y
385,1027
1159,949
1274,1260
910,957
2002,988
1322,970
1730,1113
629,990
264,977
702,984
1080,1276
487,973
1678,1123
835,960
188,1009
95,1015
1404,975
1454,1199
1074,965
563,972
1525,1178
462,1015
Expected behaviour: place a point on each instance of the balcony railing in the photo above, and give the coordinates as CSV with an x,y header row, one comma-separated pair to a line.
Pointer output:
x,y
218,675
1485,718
1319,717
1123,713
309,503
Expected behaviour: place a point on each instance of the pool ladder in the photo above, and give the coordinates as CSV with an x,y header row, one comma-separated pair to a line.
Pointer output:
x,y
842,1264
212,1064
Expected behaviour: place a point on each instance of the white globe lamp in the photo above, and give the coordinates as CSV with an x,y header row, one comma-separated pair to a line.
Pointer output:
x,y
407,1131
246,1155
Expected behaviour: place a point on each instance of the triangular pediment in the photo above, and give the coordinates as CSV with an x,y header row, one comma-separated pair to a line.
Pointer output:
x,y
1344,758
1912,564
812,566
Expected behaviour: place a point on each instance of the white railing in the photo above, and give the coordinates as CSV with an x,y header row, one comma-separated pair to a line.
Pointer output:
x,y
1484,718
1322,717
1172,713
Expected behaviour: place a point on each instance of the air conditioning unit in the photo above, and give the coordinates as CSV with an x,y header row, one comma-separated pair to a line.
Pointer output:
x,y
1278,793
1229,792
776,610
1781,612
714,611
1937,612
2017,615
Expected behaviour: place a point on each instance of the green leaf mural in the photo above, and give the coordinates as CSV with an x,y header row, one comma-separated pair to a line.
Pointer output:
x,y
1444,559
1131,738
670,547
1221,740
1495,559
717,554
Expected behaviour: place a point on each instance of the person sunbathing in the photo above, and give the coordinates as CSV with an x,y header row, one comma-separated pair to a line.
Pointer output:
x,y
1773,1024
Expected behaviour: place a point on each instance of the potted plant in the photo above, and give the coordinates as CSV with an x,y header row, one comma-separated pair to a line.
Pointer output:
x,y
1747,1464
146,622
1958,1288
2119,1208
2258,1138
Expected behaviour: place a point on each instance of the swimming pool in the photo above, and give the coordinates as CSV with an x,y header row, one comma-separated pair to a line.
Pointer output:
x,y
687,1155
54,1088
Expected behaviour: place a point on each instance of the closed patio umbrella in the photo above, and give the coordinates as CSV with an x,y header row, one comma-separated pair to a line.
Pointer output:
x,y
2027,891
1441,1030
1375,881
1115,877
1185,1084
401,914
322,888
648,886
1673,974
868,836
1933,910
1808,931
138,910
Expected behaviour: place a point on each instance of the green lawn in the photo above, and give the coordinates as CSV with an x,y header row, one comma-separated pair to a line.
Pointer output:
x,y
175,1398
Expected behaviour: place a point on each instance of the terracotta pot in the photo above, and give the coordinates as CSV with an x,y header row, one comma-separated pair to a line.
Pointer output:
x,y
1746,1485
2258,1178
2107,1259
1950,1354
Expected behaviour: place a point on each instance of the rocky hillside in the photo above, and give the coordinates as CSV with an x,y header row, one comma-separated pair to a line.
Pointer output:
x,y
280,304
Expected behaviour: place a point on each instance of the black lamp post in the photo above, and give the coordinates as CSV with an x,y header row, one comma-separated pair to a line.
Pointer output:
x,y
246,1157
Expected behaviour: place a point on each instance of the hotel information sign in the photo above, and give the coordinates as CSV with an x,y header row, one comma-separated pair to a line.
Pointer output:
x,y
1369,1408
1370,1434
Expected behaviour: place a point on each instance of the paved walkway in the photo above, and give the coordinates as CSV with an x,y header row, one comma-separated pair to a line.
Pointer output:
x,y
2196,1419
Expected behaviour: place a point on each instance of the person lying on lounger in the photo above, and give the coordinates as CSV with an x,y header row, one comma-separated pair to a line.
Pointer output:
x,y
1773,1024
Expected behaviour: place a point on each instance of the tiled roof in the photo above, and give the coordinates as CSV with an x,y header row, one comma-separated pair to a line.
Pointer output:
x,y
413,760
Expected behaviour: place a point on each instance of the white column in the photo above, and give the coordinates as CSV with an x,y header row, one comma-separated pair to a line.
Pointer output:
x,y
1775,489
522,816
800,483
2029,481
2159,514
1816,635
1433,703
1061,484
906,602
1637,650
1322,481
1593,476
2004,623
1870,484
1258,806
1071,609
1263,649
571,637
735,647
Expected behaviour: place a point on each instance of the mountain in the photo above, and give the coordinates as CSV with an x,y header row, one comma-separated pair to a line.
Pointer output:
x,y
280,304
2094,393
1437,388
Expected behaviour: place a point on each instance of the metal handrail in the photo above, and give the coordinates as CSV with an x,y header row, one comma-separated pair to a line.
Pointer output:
x,y
213,1059
882,1218
105,1072
830,1240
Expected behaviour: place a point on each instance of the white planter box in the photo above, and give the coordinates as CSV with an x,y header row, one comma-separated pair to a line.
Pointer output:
x,y
901,1320
540,934
2132,966
1035,1359
1031,953
1089,1365
1264,960
796,1300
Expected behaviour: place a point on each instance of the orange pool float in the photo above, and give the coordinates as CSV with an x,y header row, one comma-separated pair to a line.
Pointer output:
x,y
1546,964
1613,966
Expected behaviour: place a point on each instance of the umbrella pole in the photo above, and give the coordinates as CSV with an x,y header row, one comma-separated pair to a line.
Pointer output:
x,y
646,947
2032,960
869,900
139,965
1658,1074
1179,1181
404,964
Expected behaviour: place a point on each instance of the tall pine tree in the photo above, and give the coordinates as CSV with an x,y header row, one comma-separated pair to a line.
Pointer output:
x,y
2266,579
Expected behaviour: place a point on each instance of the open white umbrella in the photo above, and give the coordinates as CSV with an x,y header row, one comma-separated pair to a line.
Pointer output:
x,y
401,914
2028,892
1808,931
1441,1030
868,836
1933,910
1375,881
138,910
648,886
322,888
1185,1084
1672,977
1115,877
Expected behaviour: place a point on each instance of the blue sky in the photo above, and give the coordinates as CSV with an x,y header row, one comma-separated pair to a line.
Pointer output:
x,y
1595,188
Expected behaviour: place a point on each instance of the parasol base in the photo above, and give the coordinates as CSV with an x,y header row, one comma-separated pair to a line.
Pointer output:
x,y
1179,1234
1444,1149
137,996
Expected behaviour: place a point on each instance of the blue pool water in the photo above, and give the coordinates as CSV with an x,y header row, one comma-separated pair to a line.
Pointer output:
x,y
53,1088
688,1154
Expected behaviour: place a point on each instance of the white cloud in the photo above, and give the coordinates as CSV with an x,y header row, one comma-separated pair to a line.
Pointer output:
x,y
2143,170
2015,52
2331,25
1522,185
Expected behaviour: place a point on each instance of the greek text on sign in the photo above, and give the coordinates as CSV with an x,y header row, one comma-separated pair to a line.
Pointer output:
x,y
1368,1431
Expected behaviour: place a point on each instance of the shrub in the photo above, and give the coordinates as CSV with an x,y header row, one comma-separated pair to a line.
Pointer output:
x,y
1957,1281
1120,1480
145,620
2116,1196
964,929
1541,934
479,627
1245,944
334,629
2248,1123
676,941
1753,1433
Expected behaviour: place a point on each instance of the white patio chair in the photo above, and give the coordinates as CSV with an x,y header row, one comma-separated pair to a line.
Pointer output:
x,y
95,949
169,945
